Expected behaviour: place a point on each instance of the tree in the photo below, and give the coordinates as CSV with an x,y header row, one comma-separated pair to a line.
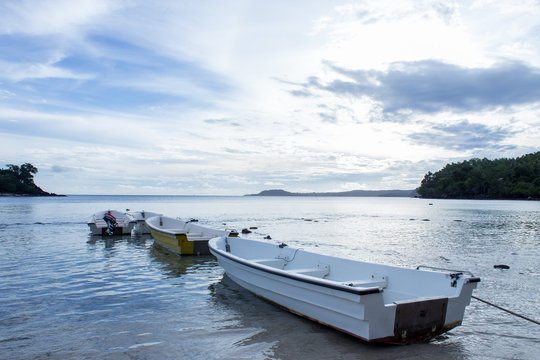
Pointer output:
x,y
24,173
27,173
20,180
482,178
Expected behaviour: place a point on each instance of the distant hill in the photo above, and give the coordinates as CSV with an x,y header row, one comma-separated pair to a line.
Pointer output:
x,y
353,193
517,178
19,181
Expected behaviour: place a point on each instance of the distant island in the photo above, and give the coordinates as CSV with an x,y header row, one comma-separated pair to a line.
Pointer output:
x,y
517,178
353,193
19,181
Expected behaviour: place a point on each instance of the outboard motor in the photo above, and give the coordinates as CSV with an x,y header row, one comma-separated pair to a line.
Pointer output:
x,y
111,223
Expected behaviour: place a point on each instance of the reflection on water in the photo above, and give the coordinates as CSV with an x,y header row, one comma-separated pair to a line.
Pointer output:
x,y
172,265
289,336
66,294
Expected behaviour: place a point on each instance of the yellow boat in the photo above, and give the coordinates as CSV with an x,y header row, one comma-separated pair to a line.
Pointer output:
x,y
183,237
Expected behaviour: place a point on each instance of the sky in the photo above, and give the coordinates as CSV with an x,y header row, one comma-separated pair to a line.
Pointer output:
x,y
235,97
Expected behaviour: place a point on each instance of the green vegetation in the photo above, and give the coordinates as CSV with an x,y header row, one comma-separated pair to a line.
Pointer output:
x,y
19,180
517,178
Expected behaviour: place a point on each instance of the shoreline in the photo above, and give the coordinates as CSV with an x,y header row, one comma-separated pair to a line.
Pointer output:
x,y
28,195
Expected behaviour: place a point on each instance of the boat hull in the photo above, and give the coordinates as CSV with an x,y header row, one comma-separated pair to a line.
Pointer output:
x,y
363,311
180,244
103,230
180,237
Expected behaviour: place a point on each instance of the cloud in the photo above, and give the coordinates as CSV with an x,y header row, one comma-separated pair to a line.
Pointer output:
x,y
51,17
464,135
47,70
62,169
444,11
94,52
97,128
432,86
224,121
6,93
328,118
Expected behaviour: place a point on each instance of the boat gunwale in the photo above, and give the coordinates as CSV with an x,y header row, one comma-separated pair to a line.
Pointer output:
x,y
298,277
164,230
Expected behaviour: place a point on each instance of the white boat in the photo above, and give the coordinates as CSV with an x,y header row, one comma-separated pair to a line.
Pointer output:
x,y
113,222
183,237
377,303
139,217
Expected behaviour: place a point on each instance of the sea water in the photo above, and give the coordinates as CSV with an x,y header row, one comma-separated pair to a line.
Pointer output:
x,y
65,294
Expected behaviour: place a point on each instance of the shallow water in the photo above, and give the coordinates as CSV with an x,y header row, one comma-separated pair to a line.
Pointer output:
x,y
66,294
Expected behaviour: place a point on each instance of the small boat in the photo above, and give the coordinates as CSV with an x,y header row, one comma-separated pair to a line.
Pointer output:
x,y
183,237
139,217
111,222
374,302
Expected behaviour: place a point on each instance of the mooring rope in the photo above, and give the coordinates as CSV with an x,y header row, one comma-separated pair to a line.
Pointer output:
x,y
508,311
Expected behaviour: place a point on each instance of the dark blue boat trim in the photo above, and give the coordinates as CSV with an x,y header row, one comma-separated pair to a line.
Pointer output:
x,y
282,273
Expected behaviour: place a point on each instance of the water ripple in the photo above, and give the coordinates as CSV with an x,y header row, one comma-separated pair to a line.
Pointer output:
x,y
66,294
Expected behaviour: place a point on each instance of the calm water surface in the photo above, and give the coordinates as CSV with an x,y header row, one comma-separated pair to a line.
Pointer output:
x,y
65,294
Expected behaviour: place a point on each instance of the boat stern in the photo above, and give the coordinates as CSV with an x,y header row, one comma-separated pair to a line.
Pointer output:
x,y
420,320
425,318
